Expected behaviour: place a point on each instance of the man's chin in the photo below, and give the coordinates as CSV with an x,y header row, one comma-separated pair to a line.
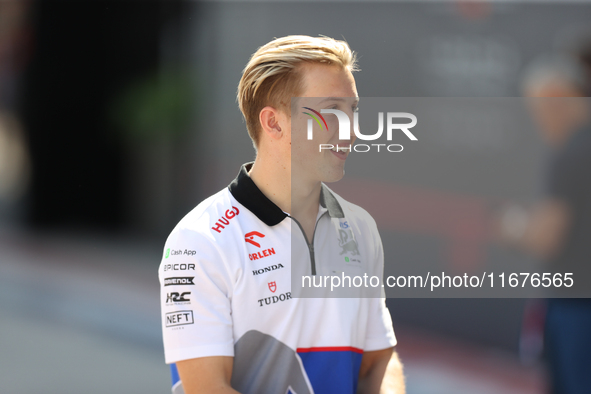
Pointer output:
x,y
333,176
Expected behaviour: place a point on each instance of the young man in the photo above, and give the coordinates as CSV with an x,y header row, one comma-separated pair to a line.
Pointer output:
x,y
230,321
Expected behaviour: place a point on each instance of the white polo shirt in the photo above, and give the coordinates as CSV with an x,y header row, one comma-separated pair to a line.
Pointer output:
x,y
226,286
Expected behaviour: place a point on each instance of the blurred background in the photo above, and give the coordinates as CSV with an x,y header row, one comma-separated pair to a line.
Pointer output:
x,y
118,117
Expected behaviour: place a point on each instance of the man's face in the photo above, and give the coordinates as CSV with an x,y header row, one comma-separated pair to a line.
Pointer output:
x,y
555,109
324,87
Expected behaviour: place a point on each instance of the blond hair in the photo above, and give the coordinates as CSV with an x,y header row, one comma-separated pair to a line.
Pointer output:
x,y
271,76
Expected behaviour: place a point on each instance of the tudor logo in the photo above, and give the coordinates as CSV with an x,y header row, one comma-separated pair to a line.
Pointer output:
x,y
272,286
274,299
248,237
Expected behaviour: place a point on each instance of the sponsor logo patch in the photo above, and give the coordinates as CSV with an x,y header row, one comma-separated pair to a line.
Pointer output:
x,y
225,220
180,252
348,243
275,299
267,269
179,318
262,254
249,237
181,280
272,286
178,298
179,267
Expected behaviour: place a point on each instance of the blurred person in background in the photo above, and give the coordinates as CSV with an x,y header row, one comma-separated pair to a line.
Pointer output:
x,y
15,44
557,230
14,162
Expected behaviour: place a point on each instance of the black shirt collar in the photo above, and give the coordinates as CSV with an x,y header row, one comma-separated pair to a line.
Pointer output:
x,y
248,194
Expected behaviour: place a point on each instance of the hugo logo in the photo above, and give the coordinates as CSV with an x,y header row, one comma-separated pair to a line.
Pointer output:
x,y
225,220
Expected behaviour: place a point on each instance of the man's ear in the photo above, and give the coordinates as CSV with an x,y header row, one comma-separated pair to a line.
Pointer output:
x,y
269,118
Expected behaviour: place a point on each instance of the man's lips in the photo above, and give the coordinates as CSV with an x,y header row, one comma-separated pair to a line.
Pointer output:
x,y
342,153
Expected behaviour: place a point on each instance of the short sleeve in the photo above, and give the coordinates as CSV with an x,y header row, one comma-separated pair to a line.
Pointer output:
x,y
195,296
380,333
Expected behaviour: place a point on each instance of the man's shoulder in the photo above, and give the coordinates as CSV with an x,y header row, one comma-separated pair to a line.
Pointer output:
x,y
199,235
208,219
199,217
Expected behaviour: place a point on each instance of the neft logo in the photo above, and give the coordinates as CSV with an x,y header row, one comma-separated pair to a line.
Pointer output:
x,y
179,267
179,281
179,318
248,237
225,220
176,297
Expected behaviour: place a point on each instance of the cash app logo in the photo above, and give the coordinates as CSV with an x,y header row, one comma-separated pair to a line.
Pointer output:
x,y
167,253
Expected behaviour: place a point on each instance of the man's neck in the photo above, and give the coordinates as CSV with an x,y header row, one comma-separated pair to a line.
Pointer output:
x,y
275,181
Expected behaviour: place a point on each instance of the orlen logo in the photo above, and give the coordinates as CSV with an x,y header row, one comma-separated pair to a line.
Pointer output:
x,y
345,127
225,220
249,237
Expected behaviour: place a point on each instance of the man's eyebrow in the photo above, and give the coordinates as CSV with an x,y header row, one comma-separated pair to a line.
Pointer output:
x,y
338,99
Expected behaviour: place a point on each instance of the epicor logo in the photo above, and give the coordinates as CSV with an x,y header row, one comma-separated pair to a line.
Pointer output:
x,y
345,127
225,220
248,237
179,267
